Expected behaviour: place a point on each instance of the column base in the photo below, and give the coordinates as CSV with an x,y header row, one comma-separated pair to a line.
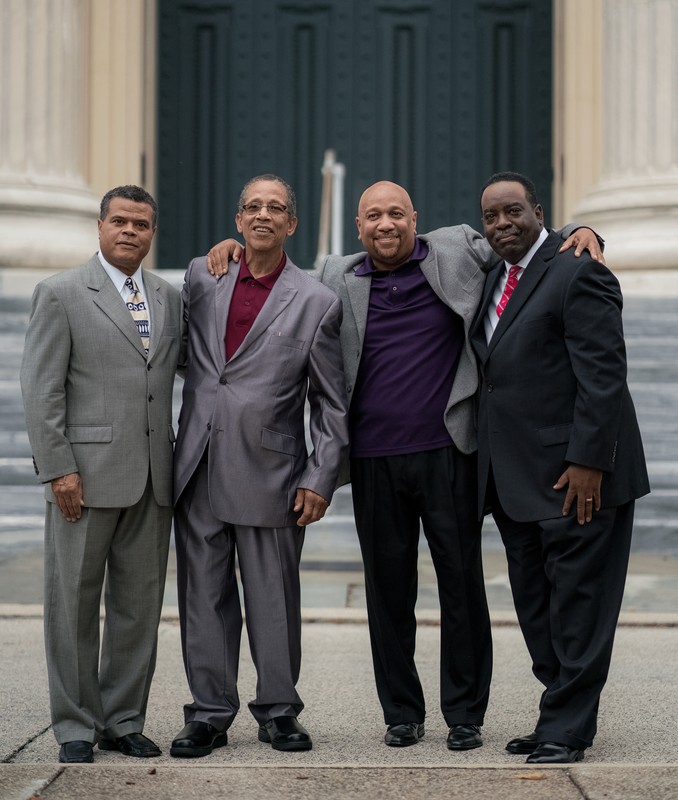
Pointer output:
x,y
43,227
638,220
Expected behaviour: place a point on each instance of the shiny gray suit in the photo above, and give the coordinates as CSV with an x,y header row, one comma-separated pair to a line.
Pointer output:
x,y
97,406
241,455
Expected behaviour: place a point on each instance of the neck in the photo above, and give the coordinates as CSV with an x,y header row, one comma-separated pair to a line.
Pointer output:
x,y
260,264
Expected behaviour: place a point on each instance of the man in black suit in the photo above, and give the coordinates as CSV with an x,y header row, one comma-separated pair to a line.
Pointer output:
x,y
560,457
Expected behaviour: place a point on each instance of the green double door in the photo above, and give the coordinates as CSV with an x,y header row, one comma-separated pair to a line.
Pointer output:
x,y
433,94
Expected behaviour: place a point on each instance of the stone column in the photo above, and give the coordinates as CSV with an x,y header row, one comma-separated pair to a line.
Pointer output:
x,y
635,204
47,212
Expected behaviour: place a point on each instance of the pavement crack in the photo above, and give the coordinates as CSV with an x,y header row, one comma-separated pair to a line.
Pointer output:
x,y
10,758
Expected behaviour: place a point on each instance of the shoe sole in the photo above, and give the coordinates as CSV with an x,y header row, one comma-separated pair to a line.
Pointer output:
x,y
76,760
197,752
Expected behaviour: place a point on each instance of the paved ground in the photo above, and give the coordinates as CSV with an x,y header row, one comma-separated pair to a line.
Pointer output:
x,y
636,751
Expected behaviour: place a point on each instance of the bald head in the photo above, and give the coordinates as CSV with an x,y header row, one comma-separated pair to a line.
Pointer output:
x,y
387,224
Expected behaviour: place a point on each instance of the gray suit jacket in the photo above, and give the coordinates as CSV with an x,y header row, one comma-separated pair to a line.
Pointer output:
x,y
454,268
94,404
250,410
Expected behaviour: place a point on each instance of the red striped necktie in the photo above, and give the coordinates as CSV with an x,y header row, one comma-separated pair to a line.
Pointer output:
x,y
511,283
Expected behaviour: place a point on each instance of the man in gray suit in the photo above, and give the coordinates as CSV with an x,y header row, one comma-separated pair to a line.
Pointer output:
x,y
97,375
411,377
261,341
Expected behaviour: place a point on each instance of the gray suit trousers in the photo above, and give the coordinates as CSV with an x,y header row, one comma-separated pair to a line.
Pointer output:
x,y
128,548
211,617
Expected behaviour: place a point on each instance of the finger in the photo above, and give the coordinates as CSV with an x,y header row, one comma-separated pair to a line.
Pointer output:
x,y
298,500
210,264
567,504
581,509
588,508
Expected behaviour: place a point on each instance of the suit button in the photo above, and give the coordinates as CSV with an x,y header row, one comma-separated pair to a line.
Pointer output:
x,y
209,426
223,380
150,398
490,388
148,366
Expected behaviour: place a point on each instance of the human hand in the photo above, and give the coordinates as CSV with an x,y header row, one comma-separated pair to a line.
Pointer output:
x,y
584,239
219,256
583,485
313,505
67,492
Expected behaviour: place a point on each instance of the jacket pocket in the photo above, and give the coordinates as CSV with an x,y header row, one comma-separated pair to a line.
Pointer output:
x,y
286,341
555,434
280,442
89,433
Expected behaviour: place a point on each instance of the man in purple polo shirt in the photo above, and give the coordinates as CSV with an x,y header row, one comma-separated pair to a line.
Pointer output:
x,y
411,378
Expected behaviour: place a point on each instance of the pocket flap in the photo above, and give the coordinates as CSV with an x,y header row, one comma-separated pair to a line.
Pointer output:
x,y
555,434
280,442
89,433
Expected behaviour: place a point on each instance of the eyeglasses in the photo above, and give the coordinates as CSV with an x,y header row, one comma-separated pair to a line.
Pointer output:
x,y
273,208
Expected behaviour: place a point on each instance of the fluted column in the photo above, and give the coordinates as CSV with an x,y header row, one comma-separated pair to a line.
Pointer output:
x,y
635,204
47,212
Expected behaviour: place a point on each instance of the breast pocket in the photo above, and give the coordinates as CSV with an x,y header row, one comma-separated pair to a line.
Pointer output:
x,y
279,340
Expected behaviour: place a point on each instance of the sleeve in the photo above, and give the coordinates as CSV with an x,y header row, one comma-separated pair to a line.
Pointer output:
x,y
328,404
594,339
44,373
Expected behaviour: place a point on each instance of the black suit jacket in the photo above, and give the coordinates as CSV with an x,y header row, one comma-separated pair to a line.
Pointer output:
x,y
553,387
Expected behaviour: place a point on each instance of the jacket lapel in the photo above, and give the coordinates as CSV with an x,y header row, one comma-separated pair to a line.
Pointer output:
x,y
157,311
478,339
108,299
528,282
358,290
222,302
282,294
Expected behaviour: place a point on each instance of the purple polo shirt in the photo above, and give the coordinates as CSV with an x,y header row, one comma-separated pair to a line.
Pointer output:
x,y
408,363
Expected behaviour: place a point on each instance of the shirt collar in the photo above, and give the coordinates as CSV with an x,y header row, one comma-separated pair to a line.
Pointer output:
x,y
268,281
525,260
118,276
418,254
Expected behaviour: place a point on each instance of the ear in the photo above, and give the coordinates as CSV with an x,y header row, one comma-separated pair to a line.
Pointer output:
x,y
238,222
357,222
539,213
291,225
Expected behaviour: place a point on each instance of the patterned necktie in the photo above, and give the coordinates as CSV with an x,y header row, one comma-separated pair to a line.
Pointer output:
x,y
137,308
511,283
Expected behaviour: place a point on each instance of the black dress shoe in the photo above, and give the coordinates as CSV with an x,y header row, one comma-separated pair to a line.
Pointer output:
x,y
404,734
132,744
522,745
464,737
77,752
285,733
554,753
197,739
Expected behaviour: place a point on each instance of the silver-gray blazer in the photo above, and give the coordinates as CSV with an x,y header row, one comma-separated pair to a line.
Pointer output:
x,y
250,410
94,403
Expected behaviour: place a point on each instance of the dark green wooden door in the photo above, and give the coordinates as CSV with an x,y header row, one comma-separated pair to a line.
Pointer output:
x,y
433,94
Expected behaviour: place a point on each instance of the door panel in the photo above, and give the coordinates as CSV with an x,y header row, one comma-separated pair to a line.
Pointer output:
x,y
433,94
